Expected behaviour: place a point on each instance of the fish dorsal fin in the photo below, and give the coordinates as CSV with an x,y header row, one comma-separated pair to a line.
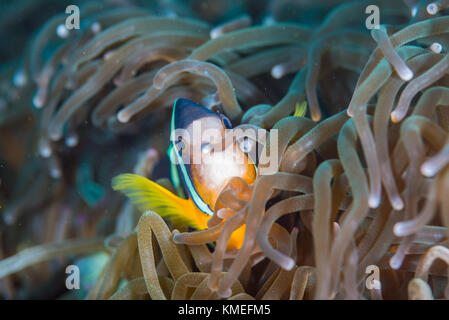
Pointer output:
x,y
148,195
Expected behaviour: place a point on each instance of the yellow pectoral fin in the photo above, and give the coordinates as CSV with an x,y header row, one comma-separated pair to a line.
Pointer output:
x,y
148,195
300,109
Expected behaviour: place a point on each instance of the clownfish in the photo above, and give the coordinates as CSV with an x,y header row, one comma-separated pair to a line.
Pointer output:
x,y
203,169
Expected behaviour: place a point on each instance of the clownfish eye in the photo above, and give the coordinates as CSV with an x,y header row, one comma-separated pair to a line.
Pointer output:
x,y
246,145
226,122
206,148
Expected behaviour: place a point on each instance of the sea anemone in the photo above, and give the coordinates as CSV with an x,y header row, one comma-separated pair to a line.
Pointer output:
x,y
360,184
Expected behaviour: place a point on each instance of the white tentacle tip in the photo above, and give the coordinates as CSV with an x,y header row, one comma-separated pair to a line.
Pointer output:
x,y
38,102
95,27
62,31
427,169
277,71
436,47
288,264
432,8
395,263
8,217
123,117
215,33
399,229
54,135
397,204
373,201
227,293
406,74
396,116
71,141
45,151
55,173
20,78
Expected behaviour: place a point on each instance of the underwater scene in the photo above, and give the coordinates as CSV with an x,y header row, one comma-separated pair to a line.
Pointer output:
x,y
224,149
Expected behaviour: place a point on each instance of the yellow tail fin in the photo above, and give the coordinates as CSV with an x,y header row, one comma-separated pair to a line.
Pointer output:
x,y
148,195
